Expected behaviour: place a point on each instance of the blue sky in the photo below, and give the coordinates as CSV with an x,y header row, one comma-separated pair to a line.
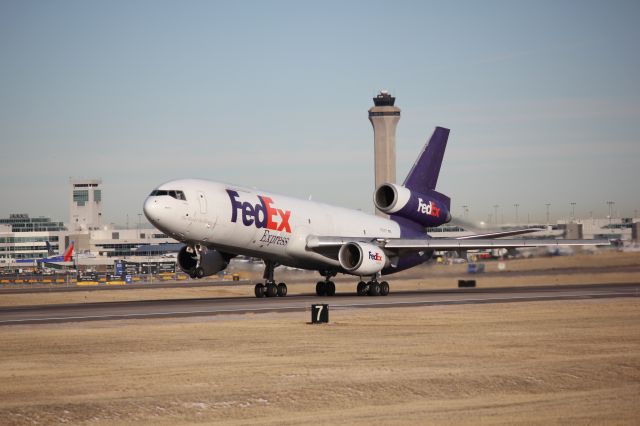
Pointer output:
x,y
543,100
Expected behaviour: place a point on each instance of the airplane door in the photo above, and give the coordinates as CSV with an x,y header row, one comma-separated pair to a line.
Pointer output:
x,y
203,202
204,225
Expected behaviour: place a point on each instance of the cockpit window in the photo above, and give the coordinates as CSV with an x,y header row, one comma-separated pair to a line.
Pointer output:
x,y
178,195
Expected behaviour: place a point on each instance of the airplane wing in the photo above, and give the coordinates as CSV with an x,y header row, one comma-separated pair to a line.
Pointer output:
x,y
473,242
444,244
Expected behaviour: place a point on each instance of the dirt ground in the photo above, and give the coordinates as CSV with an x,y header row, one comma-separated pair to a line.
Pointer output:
x,y
570,362
552,362
585,268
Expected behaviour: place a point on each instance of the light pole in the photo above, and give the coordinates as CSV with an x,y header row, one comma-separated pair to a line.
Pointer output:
x,y
548,205
610,203
495,212
516,206
465,211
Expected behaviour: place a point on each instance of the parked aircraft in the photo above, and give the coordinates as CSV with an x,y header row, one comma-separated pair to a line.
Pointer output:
x,y
67,256
219,221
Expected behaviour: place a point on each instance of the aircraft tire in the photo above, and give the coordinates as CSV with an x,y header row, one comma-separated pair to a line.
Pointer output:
x,y
384,288
199,273
374,288
321,289
282,290
362,288
272,290
260,290
330,288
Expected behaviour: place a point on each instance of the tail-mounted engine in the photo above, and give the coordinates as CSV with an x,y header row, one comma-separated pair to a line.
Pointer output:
x,y
362,258
201,263
430,208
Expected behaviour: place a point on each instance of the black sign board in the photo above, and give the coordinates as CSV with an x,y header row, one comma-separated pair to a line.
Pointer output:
x,y
88,277
166,267
319,314
131,268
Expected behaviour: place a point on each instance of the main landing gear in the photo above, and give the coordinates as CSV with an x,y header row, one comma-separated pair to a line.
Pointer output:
x,y
326,287
269,288
373,288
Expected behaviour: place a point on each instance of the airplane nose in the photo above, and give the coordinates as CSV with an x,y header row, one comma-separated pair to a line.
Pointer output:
x,y
151,210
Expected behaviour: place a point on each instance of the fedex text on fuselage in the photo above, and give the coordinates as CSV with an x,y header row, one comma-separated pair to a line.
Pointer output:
x,y
261,215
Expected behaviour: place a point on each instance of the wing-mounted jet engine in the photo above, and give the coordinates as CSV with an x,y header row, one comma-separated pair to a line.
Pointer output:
x,y
362,258
429,208
200,262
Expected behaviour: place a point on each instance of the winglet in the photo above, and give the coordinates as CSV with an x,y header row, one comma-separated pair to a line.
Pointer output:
x,y
425,171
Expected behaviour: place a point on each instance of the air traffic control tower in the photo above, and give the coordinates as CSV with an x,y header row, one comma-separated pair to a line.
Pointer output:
x,y
384,117
85,204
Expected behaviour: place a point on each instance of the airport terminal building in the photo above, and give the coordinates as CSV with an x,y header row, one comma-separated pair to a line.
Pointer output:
x,y
24,237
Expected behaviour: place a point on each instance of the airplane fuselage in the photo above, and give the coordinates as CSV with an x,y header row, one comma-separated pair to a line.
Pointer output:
x,y
255,223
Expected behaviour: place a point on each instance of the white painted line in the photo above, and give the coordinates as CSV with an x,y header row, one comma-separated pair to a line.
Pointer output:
x,y
495,299
151,314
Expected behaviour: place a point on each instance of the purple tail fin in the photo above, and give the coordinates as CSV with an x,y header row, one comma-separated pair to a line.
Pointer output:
x,y
425,171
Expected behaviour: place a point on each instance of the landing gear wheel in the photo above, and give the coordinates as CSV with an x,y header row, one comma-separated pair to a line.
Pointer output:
x,y
362,288
321,288
374,288
272,290
260,290
384,288
199,273
330,288
282,290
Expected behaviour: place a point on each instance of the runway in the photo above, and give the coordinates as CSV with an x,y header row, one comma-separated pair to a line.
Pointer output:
x,y
299,303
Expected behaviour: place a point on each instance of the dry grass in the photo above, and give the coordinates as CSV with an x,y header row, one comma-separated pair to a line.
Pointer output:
x,y
556,362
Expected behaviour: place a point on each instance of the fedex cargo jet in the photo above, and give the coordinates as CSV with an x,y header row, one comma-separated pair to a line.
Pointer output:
x,y
218,221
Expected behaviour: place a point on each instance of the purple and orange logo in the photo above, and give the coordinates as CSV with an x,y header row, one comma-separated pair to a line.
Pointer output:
x,y
430,209
375,256
261,215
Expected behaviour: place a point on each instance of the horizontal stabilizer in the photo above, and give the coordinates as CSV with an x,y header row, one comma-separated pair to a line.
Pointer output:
x,y
500,234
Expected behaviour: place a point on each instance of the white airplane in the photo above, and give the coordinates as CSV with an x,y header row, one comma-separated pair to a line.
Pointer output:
x,y
218,221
